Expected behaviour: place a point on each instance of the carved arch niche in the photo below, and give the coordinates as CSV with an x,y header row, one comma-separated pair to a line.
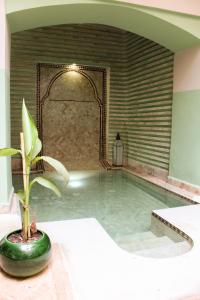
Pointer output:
x,y
71,114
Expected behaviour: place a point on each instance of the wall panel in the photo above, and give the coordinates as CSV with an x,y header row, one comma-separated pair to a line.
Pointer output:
x,y
145,115
141,72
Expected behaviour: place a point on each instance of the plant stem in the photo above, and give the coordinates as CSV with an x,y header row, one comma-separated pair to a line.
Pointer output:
x,y
26,171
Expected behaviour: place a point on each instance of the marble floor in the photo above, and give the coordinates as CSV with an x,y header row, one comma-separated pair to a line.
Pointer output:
x,y
52,283
98,269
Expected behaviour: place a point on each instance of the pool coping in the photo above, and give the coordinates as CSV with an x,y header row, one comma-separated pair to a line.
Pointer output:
x,y
184,235
99,269
188,196
169,216
172,189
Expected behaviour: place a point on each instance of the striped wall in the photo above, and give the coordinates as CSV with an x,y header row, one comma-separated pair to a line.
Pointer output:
x,y
149,101
144,117
82,44
140,82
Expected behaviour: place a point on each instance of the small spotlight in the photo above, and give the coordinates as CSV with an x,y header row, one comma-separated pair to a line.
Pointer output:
x,y
73,67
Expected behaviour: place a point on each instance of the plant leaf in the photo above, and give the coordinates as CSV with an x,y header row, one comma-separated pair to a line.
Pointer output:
x,y
29,130
57,165
9,151
46,183
36,149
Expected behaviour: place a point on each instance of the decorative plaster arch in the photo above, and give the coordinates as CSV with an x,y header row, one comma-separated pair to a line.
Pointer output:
x,y
174,31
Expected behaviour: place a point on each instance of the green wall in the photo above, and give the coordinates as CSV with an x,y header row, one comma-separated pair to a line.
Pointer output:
x,y
140,82
5,174
185,150
175,31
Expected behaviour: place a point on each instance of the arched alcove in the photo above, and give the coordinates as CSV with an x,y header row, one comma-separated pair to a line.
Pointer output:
x,y
71,114
139,85
173,31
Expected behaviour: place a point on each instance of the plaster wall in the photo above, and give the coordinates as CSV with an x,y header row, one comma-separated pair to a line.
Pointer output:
x,y
186,70
176,30
187,7
5,172
185,144
191,7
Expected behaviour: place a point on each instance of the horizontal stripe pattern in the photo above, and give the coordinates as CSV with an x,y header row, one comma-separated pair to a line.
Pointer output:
x,y
94,45
144,118
141,79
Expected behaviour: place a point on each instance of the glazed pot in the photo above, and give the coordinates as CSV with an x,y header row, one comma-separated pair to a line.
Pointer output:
x,y
24,259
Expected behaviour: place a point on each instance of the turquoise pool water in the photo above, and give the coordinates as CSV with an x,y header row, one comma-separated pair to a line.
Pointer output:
x,y
121,202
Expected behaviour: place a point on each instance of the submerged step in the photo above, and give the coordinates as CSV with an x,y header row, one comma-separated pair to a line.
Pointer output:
x,y
139,236
169,250
143,241
149,245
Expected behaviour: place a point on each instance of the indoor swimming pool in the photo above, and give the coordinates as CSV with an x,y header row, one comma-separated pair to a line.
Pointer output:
x,y
121,202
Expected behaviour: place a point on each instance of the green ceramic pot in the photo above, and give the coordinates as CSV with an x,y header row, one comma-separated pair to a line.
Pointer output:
x,y
27,259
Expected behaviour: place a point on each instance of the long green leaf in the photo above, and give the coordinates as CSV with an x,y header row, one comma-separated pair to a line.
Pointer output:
x,y
9,151
36,149
46,183
57,165
29,130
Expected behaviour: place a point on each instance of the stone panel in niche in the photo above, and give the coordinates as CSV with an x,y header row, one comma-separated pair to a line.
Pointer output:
x,y
72,86
71,117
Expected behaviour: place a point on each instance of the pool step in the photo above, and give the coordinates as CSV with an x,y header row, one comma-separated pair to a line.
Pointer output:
x,y
165,251
136,237
134,245
148,244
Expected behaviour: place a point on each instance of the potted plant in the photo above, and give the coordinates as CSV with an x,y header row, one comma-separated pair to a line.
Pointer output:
x,y
26,251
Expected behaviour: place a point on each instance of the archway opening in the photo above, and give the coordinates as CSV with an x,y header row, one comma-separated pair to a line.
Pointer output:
x,y
138,85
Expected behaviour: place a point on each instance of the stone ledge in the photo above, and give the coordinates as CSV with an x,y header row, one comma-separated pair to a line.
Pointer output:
x,y
52,283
